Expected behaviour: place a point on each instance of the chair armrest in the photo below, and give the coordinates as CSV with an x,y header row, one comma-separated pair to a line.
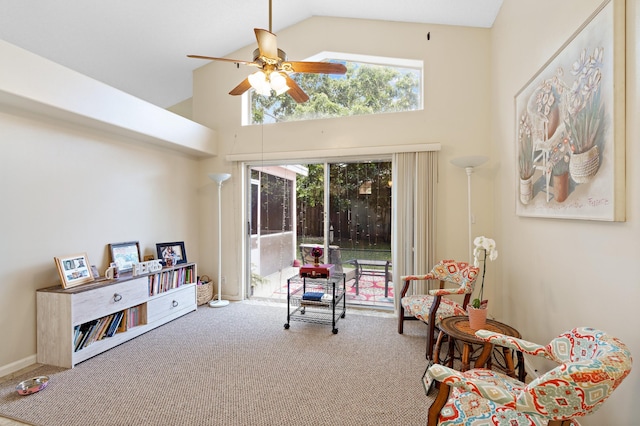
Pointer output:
x,y
428,276
521,345
446,291
408,278
481,388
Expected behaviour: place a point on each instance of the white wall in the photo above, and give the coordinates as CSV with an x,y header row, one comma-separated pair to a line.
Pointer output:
x,y
559,274
456,114
83,165
67,189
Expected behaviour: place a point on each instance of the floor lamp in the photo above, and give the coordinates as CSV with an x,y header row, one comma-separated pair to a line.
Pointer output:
x,y
468,164
219,178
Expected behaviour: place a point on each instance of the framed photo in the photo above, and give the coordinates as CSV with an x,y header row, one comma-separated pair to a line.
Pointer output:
x,y
74,270
570,126
125,254
428,382
172,253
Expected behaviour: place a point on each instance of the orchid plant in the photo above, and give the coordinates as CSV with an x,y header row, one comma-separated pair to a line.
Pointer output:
x,y
585,107
484,248
525,155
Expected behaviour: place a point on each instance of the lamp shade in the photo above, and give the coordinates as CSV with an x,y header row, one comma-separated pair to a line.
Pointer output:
x,y
258,81
278,83
469,161
219,177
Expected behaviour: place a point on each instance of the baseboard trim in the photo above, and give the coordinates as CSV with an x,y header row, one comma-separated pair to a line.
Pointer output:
x,y
8,369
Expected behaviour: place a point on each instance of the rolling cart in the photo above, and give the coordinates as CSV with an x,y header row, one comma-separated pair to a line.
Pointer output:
x,y
316,300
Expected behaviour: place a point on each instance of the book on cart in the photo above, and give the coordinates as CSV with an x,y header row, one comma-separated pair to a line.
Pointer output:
x,y
315,296
312,271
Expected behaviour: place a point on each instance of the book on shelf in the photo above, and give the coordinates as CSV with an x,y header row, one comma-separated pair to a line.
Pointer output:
x,y
115,323
95,330
170,279
83,334
122,327
134,316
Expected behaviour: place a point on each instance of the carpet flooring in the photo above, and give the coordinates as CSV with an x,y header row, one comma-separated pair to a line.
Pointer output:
x,y
238,366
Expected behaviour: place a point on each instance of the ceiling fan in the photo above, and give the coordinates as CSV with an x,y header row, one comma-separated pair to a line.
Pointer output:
x,y
274,68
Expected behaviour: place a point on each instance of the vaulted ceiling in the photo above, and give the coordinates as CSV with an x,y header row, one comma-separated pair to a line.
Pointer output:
x,y
140,46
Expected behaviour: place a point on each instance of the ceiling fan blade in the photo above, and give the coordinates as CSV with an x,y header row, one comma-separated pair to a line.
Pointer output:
x,y
241,88
315,67
295,91
267,43
211,58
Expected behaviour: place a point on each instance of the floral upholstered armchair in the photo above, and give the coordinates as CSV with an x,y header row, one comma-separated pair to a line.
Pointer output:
x,y
432,308
592,365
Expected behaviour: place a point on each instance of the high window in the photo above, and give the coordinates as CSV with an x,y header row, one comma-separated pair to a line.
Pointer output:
x,y
372,85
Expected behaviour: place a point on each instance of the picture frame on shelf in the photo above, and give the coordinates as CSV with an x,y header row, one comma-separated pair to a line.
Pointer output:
x,y
172,253
125,254
74,270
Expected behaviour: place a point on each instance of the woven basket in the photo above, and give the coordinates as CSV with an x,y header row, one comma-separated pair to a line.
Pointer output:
x,y
585,165
205,290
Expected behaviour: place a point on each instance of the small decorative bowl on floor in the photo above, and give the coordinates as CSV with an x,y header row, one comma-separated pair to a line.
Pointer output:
x,y
33,385
204,290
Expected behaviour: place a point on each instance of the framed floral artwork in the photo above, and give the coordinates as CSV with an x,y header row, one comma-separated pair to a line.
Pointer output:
x,y
74,270
570,126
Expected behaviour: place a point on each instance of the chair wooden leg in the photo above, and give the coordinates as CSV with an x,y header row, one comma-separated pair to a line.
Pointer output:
x,y
401,320
430,340
440,401
560,423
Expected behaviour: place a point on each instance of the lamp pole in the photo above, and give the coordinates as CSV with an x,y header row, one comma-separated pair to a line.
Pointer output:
x,y
219,178
468,164
469,171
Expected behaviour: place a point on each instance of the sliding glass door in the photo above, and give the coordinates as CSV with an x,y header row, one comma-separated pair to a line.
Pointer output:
x,y
344,207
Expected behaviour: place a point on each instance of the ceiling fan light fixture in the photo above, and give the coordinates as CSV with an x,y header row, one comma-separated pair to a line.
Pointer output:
x,y
258,81
278,83
275,68
263,83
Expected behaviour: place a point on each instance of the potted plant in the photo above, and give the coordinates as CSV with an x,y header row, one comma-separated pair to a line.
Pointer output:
x,y
484,248
256,279
559,163
525,159
547,100
585,116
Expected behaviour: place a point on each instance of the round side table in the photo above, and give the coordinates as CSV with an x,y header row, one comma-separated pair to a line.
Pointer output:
x,y
457,328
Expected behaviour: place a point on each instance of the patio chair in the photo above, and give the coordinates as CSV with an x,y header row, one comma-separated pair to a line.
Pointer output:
x,y
592,365
432,308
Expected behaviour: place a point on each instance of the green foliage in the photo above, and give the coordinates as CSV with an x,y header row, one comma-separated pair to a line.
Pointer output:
x,y
310,188
364,89
346,180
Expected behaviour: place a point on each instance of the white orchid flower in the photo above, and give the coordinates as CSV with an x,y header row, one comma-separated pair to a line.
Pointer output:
x,y
493,254
484,246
